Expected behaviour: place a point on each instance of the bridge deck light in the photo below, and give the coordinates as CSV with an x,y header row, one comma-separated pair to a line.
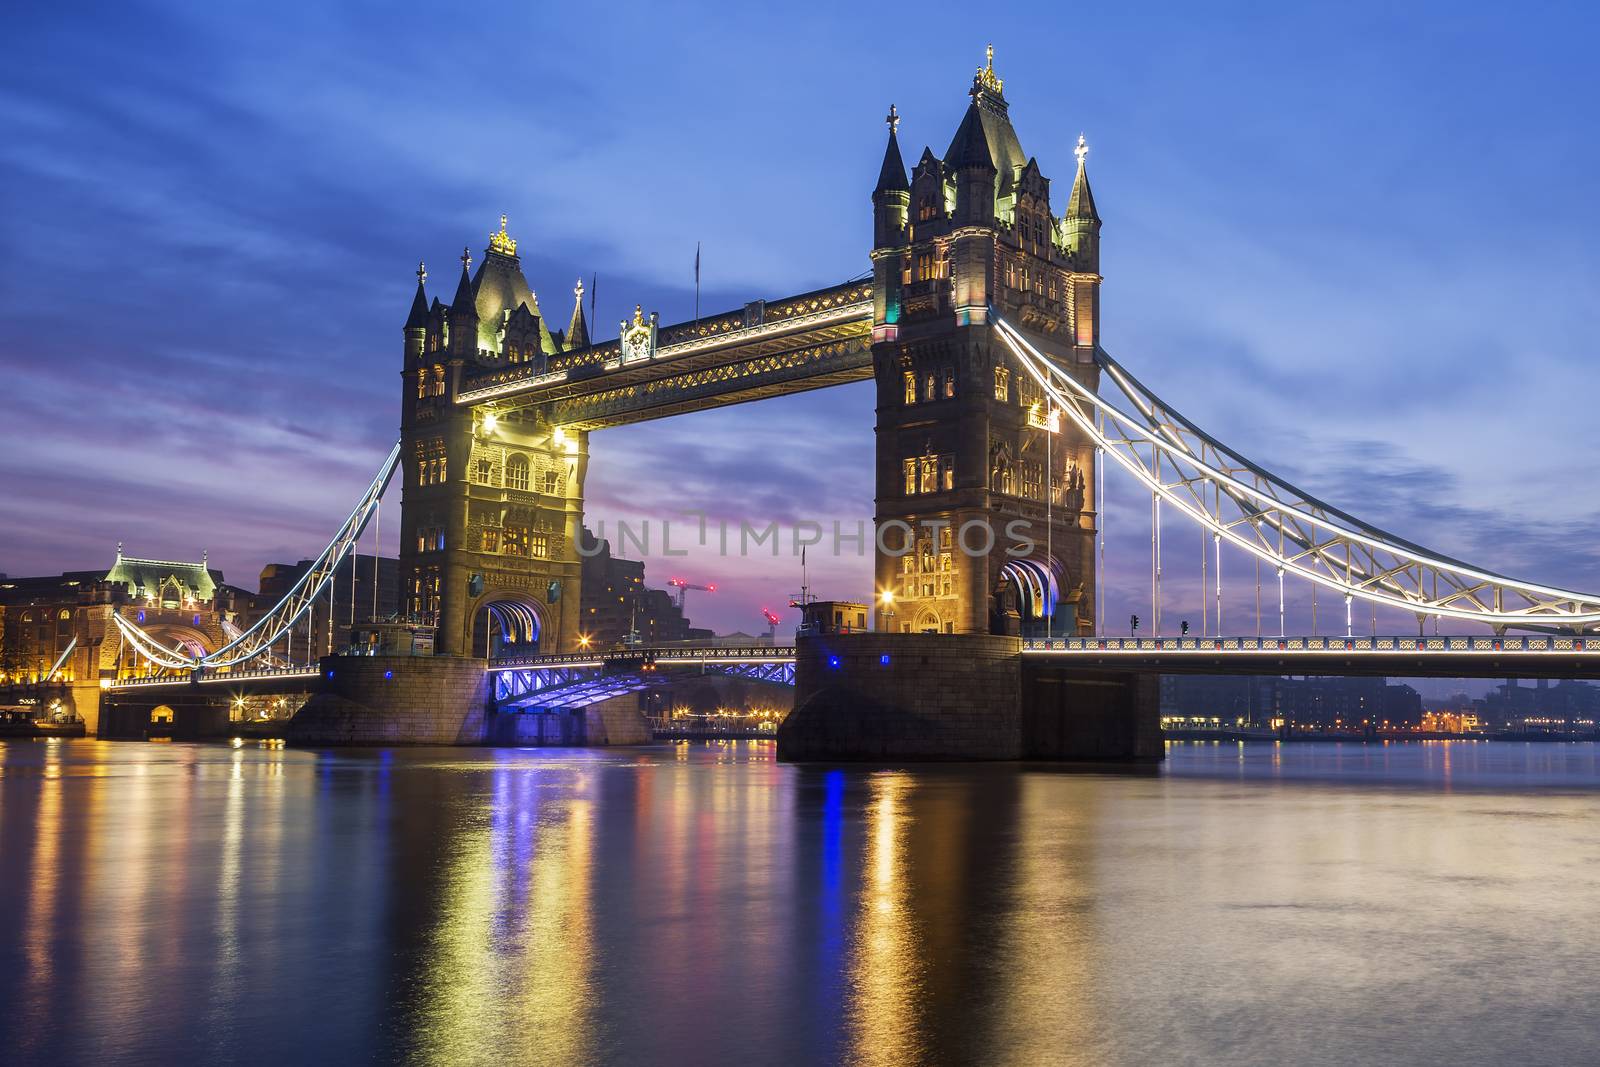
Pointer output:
x,y
491,422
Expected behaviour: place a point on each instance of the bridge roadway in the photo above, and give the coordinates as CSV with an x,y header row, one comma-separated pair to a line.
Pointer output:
x,y
1553,656
1393,657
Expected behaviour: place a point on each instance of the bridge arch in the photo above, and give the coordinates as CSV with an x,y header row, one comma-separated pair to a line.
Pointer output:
x,y
1038,586
507,624
192,641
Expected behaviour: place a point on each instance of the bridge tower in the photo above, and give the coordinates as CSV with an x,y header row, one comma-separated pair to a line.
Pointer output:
x,y
966,442
493,500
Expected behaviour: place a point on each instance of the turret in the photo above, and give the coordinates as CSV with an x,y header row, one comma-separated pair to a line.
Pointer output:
x,y
1081,234
892,196
578,328
1080,225
464,313
416,328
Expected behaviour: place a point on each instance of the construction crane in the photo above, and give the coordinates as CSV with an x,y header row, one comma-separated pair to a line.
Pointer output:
x,y
683,585
772,626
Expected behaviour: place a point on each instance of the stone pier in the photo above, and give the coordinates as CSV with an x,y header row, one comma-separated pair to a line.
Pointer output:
x,y
881,696
444,700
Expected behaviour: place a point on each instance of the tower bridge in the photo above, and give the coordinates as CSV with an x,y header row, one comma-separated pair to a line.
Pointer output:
x,y
997,403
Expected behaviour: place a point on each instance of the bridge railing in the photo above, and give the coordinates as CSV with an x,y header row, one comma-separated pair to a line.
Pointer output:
x,y
661,654
211,679
1447,644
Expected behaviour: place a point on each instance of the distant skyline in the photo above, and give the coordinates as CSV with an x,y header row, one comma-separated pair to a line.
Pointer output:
x,y
1358,244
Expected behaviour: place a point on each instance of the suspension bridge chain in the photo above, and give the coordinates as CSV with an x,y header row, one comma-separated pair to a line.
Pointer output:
x,y
1266,516
258,639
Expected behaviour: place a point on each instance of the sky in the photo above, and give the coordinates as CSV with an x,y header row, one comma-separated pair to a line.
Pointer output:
x,y
1356,241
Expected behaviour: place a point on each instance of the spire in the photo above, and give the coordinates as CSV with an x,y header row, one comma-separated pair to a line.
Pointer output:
x,y
578,328
986,81
892,175
503,242
1081,204
465,301
418,319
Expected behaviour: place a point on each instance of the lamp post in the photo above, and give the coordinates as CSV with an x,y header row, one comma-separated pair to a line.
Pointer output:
x,y
886,611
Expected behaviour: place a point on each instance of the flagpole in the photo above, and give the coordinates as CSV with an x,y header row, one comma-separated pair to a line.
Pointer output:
x,y
697,283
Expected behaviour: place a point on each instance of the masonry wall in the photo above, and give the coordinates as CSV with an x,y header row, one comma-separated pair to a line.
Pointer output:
x,y
881,696
396,700
875,696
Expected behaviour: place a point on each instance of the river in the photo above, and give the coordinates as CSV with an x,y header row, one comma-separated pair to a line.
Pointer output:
x,y
1427,903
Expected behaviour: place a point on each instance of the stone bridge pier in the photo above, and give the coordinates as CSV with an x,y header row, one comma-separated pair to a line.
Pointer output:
x,y
885,696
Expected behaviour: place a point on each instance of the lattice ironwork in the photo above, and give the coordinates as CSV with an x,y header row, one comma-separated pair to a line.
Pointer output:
x,y
1244,504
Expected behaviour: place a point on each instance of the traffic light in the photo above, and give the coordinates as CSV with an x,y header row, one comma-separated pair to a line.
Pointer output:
x,y
1133,624
1186,627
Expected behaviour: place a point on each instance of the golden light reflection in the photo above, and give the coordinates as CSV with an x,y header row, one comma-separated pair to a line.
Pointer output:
x,y
510,976
886,972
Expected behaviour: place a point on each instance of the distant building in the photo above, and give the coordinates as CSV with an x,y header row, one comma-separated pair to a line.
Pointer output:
x,y
1231,700
184,605
351,605
1260,701
1545,707
833,617
615,603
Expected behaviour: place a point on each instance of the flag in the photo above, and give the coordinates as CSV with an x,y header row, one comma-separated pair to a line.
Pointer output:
x,y
697,264
594,284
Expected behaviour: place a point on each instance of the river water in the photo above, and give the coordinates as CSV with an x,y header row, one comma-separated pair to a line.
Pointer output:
x,y
697,904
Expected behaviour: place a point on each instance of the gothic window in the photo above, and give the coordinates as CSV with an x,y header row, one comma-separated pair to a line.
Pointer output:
x,y
911,477
438,380
515,541
491,539
930,390
911,387
930,474
539,546
513,354
927,207
949,383
947,473
1002,384
422,384
907,563
517,472
483,471
1032,481
552,482
925,267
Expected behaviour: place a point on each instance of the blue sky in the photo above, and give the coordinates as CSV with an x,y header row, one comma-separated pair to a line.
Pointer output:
x,y
1357,242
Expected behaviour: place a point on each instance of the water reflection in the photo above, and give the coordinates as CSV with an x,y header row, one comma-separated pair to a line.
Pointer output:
x,y
703,904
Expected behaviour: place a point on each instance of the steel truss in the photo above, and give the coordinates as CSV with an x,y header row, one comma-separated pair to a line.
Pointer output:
x,y
1240,502
287,613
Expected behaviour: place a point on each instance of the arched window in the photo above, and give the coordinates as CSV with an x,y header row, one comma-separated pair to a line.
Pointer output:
x,y
64,615
517,472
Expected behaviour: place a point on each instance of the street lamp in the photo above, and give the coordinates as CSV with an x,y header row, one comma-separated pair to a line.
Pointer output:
x,y
886,609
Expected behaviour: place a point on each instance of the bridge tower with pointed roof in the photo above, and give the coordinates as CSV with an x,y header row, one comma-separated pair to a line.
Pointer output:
x,y
966,441
492,500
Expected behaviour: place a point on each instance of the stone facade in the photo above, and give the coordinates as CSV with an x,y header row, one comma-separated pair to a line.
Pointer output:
x,y
967,442
493,501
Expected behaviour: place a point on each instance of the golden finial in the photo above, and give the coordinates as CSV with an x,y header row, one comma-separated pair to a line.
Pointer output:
x,y
422,272
638,315
502,242
1082,150
466,258
893,120
986,78
577,290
